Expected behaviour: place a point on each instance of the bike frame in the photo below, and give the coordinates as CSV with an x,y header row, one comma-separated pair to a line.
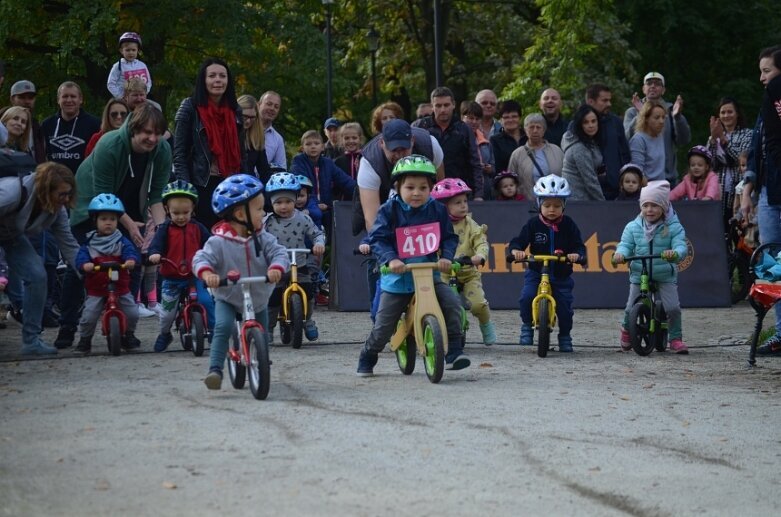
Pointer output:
x,y
648,289
544,289
111,307
188,301
293,287
248,320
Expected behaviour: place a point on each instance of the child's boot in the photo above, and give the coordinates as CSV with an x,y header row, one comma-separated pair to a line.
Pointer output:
x,y
678,346
527,335
310,330
162,342
489,333
84,347
213,380
626,341
565,344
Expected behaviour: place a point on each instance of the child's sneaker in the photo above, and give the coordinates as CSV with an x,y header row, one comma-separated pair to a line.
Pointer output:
x,y
489,333
310,330
678,346
626,341
366,363
457,362
322,300
84,347
527,335
213,379
771,347
565,344
143,312
162,342
131,342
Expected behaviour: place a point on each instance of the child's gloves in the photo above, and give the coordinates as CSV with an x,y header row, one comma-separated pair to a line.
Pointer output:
x,y
670,255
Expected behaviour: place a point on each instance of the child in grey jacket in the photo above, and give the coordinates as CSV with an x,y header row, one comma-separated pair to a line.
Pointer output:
x,y
238,243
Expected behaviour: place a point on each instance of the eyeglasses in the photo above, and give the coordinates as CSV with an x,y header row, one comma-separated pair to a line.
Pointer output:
x,y
118,114
62,196
249,117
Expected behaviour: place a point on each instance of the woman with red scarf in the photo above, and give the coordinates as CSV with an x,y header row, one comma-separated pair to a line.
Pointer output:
x,y
208,136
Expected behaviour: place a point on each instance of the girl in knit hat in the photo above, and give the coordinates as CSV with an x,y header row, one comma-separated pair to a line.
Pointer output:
x,y
655,230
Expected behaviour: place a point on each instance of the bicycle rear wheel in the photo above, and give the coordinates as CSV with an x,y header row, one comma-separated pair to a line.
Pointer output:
x,y
260,366
640,328
543,328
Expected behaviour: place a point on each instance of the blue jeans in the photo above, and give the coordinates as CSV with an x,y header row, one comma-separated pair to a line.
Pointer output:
x,y
225,322
25,263
561,289
769,219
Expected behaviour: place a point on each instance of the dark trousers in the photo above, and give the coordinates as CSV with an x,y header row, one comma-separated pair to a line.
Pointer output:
x,y
561,289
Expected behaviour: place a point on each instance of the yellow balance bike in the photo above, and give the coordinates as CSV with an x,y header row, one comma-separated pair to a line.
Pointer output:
x,y
293,311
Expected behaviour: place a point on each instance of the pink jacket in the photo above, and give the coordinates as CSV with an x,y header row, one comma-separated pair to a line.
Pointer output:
x,y
687,189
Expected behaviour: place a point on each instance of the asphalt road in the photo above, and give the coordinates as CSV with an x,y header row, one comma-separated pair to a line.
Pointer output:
x,y
597,432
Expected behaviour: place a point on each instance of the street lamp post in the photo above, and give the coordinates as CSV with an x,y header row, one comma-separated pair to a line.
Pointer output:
x,y
373,39
329,66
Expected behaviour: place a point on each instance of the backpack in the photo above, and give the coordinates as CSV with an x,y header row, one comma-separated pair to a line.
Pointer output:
x,y
15,164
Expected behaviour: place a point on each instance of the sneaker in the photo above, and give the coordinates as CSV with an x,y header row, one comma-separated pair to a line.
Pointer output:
x,y
488,330
565,344
84,346
310,330
157,309
322,300
162,342
678,346
38,348
458,362
626,341
527,335
771,347
213,379
143,312
65,337
366,363
131,342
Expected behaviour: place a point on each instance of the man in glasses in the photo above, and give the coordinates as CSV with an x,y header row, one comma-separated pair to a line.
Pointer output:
x,y
487,100
23,95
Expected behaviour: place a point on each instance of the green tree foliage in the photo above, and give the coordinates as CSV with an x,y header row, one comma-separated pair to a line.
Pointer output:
x,y
575,43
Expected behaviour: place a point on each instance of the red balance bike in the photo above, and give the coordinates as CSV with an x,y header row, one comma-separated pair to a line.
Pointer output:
x,y
191,320
114,322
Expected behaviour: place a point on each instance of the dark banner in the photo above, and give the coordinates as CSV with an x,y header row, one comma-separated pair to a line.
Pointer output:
x,y
598,285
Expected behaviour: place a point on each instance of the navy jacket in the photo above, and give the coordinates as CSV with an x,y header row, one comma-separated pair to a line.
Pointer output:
x,y
544,241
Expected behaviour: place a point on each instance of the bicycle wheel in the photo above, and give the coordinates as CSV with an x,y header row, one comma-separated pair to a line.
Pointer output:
x,y
543,328
296,313
464,326
185,338
435,349
660,336
114,336
406,355
236,370
739,277
197,336
259,366
640,328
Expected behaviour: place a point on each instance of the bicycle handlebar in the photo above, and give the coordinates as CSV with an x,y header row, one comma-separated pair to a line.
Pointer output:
x,y
549,258
234,277
110,265
630,258
183,268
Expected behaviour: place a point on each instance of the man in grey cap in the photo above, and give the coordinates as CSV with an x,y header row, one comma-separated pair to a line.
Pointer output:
x,y
332,148
23,94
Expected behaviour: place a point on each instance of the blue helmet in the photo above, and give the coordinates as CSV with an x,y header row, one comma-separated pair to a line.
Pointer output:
x,y
282,181
304,181
105,203
233,191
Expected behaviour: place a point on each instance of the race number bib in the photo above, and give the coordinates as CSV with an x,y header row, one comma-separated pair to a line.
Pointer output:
x,y
417,241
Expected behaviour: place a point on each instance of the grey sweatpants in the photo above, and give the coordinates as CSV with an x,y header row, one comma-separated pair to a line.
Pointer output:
x,y
668,294
93,308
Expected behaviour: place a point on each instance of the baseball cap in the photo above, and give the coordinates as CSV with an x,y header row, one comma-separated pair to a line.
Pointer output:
x,y
653,75
397,134
331,121
21,87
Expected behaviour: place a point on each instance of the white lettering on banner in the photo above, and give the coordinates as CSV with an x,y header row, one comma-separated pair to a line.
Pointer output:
x,y
417,241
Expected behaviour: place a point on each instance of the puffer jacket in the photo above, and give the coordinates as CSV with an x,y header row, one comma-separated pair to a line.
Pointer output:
x,y
226,250
471,241
394,214
668,236
192,156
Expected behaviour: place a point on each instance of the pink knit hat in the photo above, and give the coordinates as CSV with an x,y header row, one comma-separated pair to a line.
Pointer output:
x,y
658,193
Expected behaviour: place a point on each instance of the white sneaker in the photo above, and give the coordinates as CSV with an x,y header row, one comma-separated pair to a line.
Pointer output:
x,y
157,309
143,312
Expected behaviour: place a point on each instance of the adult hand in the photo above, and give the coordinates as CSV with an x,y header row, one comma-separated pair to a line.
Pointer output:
x,y
154,258
746,205
444,265
364,249
636,101
716,128
678,106
134,233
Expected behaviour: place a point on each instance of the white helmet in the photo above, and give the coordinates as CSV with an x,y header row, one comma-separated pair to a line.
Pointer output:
x,y
552,186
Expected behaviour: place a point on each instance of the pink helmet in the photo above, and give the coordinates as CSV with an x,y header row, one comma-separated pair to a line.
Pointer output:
x,y
448,188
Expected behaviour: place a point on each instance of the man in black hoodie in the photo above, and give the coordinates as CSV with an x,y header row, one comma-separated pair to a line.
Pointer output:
x,y
68,131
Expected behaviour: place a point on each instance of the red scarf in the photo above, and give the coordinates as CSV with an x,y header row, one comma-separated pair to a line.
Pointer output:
x,y
552,224
220,125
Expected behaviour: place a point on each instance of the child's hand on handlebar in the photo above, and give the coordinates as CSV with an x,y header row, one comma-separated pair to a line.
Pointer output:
x,y
397,266
154,258
444,265
519,255
365,249
618,258
88,267
130,264
318,249
274,275
478,260
669,255
211,279
573,257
